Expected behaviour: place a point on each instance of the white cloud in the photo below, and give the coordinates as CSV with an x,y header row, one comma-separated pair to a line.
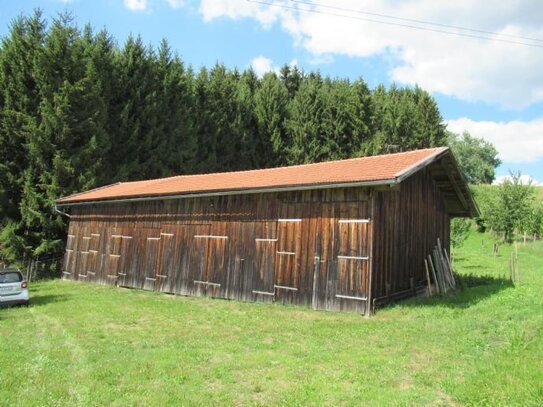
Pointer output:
x,y
525,179
135,5
516,141
261,65
235,9
176,3
471,69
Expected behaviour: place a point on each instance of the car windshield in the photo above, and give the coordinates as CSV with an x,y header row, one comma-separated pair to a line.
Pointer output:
x,y
10,277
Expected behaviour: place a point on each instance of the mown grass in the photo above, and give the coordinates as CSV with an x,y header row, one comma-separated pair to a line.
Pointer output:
x,y
82,344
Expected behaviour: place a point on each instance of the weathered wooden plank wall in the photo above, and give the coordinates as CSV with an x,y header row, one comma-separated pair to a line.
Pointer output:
x,y
407,223
307,247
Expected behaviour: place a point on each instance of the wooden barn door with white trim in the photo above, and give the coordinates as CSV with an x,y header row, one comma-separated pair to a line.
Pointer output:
x,y
166,272
262,280
128,260
352,255
150,261
342,253
288,254
113,256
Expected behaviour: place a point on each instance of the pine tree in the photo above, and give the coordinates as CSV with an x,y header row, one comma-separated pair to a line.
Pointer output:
x,y
245,127
270,107
131,112
20,104
176,110
304,125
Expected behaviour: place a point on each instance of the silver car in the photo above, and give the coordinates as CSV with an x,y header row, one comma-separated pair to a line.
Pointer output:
x,y
13,288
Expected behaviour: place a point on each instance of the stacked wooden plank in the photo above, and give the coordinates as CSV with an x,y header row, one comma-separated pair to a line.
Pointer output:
x,y
439,273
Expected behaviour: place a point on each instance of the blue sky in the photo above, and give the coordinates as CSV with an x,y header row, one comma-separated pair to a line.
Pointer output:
x,y
494,89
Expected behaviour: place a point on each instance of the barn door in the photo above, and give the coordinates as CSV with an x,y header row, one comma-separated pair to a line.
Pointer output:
x,y
265,253
84,253
127,261
198,255
150,260
288,253
165,277
113,257
189,257
341,262
352,255
93,262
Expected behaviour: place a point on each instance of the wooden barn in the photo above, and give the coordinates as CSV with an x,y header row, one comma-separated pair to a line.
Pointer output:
x,y
338,235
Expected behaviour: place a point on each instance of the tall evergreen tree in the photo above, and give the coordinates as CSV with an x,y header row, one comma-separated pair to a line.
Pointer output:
x,y
245,127
271,101
19,102
132,109
304,124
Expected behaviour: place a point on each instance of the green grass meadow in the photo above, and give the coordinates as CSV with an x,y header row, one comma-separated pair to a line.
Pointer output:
x,y
83,345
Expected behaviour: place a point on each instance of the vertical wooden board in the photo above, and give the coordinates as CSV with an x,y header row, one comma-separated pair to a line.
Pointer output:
x,y
331,265
84,253
69,255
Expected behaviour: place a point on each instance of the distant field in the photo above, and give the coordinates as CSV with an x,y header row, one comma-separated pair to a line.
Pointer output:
x,y
81,345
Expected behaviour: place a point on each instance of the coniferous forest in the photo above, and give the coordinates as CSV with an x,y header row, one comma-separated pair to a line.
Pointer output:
x,y
78,110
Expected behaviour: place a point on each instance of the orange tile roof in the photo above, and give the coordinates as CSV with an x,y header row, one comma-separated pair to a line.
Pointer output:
x,y
373,169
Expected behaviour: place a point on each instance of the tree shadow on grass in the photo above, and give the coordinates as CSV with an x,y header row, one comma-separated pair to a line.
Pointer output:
x,y
470,290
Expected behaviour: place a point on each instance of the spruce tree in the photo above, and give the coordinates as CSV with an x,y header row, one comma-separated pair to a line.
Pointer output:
x,y
270,108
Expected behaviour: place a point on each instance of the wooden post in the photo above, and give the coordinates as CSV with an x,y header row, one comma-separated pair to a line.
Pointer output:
x,y
438,288
449,266
511,267
428,278
517,264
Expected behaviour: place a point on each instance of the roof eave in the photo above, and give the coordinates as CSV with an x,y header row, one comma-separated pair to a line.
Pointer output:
x,y
389,181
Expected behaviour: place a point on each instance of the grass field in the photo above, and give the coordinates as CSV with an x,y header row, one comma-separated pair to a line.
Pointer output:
x,y
92,345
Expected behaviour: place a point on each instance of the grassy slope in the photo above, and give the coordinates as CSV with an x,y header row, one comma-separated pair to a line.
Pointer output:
x,y
82,344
